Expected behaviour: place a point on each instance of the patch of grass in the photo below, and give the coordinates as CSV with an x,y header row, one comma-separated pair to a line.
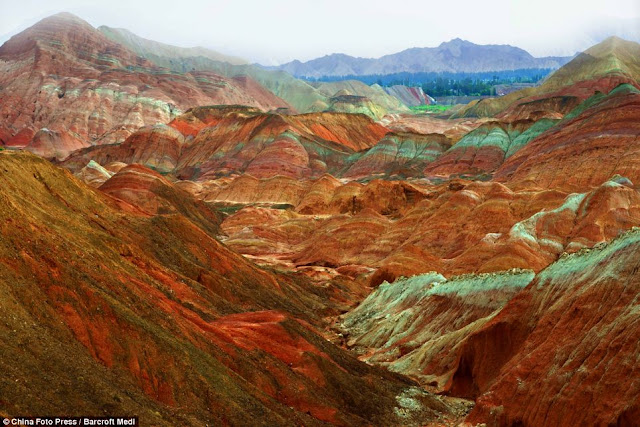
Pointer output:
x,y
434,109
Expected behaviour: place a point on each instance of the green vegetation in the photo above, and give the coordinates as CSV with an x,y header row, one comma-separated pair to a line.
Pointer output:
x,y
435,109
450,84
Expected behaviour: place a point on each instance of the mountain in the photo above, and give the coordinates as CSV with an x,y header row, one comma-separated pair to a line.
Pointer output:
x,y
297,93
229,264
456,56
598,69
144,47
69,86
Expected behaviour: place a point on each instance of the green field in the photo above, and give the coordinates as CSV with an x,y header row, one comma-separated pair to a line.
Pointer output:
x,y
431,108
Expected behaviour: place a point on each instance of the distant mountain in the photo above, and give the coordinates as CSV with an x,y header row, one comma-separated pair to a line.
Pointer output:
x,y
457,56
301,95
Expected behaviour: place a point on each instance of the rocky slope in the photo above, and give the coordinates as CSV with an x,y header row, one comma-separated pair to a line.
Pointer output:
x,y
142,286
300,95
410,96
554,349
116,307
389,103
570,155
600,68
212,142
150,48
65,86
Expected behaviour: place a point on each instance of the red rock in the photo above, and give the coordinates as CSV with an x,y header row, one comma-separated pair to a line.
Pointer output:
x,y
583,151
54,145
571,346
146,312
399,155
64,75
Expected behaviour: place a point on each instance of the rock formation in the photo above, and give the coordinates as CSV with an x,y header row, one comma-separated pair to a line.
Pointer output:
x,y
65,77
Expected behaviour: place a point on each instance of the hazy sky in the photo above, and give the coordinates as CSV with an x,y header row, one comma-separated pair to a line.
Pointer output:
x,y
271,31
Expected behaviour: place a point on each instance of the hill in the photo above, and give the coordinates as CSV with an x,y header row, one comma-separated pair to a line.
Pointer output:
x,y
297,93
598,69
115,309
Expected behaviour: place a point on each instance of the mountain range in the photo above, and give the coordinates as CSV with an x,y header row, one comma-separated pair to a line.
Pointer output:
x,y
169,253
455,56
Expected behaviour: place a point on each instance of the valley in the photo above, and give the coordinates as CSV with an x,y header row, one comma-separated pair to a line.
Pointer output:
x,y
197,240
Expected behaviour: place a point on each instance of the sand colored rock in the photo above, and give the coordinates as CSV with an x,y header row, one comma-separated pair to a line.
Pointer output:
x,y
94,174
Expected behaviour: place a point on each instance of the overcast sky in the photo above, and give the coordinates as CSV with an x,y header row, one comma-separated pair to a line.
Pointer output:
x,y
273,31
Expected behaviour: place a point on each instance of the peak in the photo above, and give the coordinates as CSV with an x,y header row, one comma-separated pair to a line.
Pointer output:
x,y
64,17
613,39
455,42
612,44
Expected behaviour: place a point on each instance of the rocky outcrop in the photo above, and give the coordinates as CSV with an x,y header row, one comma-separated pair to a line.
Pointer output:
x,y
417,325
546,350
409,95
572,345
